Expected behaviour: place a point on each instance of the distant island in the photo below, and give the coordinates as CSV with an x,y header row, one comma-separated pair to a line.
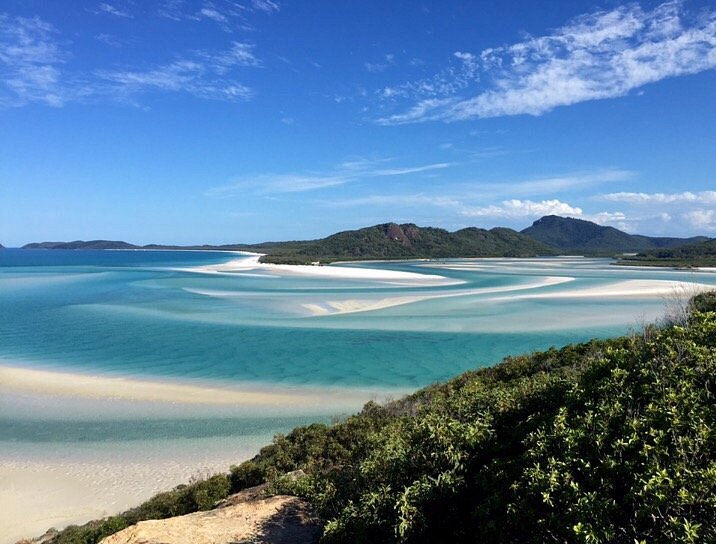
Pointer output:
x,y
700,255
585,237
548,236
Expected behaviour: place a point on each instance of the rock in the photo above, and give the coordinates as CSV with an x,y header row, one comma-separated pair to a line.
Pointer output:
x,y
44,539
248,517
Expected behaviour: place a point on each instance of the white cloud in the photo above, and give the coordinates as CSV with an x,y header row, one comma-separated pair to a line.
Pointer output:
x,y
347,172
113,10
278,183
523,208
576,180
380,66
596,56
410,169
701,219
204,75
703,197
212,13
267,6
227,14
108,39
31,63
33,69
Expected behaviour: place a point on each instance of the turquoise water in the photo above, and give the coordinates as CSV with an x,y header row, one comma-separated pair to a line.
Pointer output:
x,y
132,313
182,317
154,314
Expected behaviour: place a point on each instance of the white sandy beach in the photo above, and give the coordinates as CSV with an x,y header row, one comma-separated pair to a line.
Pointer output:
x,y
75,482
355,305
627,289
45,382
56,491
394,277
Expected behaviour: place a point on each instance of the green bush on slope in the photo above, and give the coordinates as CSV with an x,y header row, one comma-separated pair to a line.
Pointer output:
x,y
608,441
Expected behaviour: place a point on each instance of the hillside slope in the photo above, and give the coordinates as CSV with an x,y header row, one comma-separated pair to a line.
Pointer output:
x,y
393,241
81,244
611,441
578,235
701,254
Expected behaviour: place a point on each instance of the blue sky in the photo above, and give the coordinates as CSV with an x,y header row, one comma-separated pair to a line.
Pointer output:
x,y
241,121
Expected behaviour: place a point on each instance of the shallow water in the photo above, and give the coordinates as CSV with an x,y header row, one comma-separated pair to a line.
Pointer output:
x,y
159,315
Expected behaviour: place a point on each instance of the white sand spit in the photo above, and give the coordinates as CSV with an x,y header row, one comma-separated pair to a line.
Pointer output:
x,y
626,288
26,380
396,277
353,305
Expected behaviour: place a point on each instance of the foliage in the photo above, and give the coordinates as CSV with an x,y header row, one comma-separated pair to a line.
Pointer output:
x,y
700,254
580,236
392,241
611,441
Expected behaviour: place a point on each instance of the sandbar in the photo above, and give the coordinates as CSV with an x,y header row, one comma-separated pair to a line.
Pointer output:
x,y
71,384
626,288
395,277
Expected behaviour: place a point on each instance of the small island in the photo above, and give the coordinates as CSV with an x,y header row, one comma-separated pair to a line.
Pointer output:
x,y
549,236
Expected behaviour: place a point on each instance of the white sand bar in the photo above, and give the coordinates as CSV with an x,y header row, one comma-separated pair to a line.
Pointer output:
x,y
395,277
351,306
627,288
37,494
44,382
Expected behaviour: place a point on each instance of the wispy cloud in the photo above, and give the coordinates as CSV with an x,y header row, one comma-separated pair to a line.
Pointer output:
x,y
108,39
600,55
410,169
228,14
267,6
31,62
34,68
380,66
347,172
110,9
205,74
703,197
470,195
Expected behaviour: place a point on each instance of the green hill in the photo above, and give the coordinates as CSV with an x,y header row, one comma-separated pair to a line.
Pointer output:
x,y
387,241
393,241
81,244
610,441
701,254
580,236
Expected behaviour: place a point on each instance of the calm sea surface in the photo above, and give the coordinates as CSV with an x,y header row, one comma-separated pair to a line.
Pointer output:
x,y
147,314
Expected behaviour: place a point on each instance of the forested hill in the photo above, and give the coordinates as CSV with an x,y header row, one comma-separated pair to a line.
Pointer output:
x,y
580,236
386,241
393,241
550,235
702,254
610,441
81,244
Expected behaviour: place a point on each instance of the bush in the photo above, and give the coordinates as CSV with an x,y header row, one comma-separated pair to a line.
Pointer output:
x,y
611,441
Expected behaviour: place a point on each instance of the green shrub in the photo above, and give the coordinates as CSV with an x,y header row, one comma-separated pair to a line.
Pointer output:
x,y
610,441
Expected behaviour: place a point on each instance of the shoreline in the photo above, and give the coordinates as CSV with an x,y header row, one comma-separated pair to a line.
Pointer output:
x,y
16,378
395,277
625,288
58,490
46,484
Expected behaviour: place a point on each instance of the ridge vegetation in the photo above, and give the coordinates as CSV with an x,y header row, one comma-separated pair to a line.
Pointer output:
x,y
550,235
585,237
703,254
609,441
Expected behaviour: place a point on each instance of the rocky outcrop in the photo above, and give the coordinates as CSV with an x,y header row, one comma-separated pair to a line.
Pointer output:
x,y
249,517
